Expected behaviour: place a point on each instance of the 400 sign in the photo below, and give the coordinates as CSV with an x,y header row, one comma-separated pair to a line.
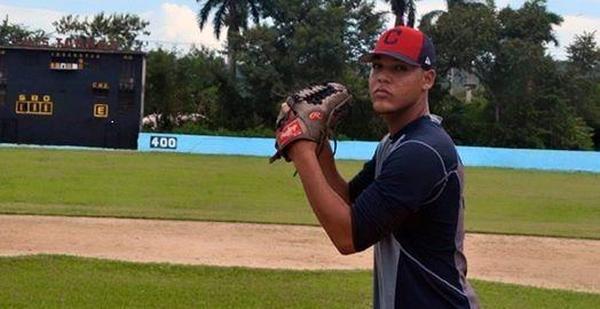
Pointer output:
x,y
163,142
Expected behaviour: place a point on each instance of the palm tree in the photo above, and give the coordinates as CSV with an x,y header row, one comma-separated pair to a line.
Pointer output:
x,y
233,14
402,8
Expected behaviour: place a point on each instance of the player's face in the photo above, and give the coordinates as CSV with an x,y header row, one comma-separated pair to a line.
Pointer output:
x,y
395,85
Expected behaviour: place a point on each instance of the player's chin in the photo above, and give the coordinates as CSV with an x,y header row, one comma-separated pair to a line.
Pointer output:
x,y
382,107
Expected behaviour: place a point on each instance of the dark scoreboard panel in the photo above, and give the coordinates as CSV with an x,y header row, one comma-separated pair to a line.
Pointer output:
x,y
71,97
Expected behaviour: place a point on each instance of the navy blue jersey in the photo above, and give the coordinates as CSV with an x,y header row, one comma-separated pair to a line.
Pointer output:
x,y
408,202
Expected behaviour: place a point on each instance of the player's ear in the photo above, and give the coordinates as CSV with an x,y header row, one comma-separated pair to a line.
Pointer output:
x,y
428,78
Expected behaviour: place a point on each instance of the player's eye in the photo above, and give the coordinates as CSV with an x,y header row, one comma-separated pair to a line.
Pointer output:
x,y
401,68
376,66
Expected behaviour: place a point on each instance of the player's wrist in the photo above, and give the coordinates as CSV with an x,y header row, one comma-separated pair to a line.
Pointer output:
x,y
301,149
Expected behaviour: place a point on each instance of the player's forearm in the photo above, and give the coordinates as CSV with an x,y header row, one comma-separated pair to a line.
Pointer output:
x,y
335,180
331,210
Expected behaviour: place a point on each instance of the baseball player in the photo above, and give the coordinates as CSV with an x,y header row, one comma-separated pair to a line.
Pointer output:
x,y
407,201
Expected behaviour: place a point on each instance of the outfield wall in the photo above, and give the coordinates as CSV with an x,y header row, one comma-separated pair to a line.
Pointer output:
x,y
559,160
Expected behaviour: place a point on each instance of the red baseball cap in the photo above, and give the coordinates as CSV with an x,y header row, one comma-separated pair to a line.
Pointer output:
x,y
406,44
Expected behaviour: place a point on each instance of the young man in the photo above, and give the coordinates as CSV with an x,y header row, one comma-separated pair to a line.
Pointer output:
x,y
407,201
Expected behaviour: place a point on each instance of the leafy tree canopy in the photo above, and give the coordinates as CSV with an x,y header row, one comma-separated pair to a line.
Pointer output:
x,y
123,29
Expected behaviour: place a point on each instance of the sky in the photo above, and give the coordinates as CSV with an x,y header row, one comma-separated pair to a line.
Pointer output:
x,y
173,22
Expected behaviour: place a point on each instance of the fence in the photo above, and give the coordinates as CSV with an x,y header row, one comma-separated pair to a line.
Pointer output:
x,y
558,160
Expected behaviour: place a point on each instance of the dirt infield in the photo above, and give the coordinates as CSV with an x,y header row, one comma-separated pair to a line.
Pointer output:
x,y
537,261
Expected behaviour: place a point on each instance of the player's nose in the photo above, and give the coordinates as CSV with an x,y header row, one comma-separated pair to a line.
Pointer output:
x,y
382,77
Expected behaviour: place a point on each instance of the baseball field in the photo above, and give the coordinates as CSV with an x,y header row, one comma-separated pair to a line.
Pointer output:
x,y
246,189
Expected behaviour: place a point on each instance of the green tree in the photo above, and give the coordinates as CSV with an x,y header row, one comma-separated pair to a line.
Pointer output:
x,y
122,29
524,100
310,41
465,36
197,77
427,19
532,22
161,86
529,94
536,111
531,27
188,83
583,80
584,53
11,34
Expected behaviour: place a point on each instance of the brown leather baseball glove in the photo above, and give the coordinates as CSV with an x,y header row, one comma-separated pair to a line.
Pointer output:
x,y
310,114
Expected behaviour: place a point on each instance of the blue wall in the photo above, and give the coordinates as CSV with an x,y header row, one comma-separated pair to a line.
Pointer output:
x,y
559,160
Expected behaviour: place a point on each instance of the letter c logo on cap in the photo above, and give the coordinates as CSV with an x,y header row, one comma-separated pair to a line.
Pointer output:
x,y
392,36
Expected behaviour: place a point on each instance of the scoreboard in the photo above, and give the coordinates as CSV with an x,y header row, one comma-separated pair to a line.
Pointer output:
x,y
75,97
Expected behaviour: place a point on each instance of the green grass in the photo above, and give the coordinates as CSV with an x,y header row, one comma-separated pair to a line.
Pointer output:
x,y
233,188
533,202
58,281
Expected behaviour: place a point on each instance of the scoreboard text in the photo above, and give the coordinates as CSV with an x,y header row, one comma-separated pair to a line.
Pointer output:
x,y
34,105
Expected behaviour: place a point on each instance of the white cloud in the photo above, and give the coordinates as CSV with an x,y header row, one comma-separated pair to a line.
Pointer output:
x,y
32,18
500,4
424,7
176,25
571,26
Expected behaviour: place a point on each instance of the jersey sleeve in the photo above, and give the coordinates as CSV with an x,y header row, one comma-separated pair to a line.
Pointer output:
x,y
362,180
408,178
